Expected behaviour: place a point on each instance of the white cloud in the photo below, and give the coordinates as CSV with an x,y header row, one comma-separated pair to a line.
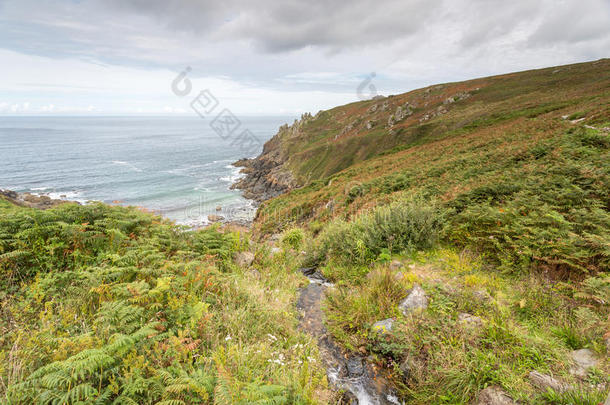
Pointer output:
x,y
269,56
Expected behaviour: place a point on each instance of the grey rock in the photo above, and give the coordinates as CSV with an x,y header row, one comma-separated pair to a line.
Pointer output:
x,y
469,320
482,296
416,299
355,366
244,259
215,218
583,359
396,264
383,326
369,124
544,381
494,396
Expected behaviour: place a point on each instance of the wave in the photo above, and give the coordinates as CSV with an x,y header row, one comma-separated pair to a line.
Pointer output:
x,y
126,164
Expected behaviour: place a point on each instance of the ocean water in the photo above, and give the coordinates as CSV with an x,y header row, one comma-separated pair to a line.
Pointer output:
x,y
176,166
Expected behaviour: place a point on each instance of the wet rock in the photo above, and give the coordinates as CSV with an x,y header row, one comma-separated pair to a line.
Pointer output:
x,y
355,366
41,202
383,326
244,259
9,194
314,275
416,299
347,398
396,264
583,359
218,208
469,320
215,218
545,381
494,396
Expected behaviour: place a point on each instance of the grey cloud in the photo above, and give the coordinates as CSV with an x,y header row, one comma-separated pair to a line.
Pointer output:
x,y
268,42
573,22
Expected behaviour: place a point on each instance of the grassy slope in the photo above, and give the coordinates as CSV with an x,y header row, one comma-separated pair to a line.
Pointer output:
x,y
526,197
503,160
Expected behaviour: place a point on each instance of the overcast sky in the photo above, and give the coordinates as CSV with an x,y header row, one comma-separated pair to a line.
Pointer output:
x,y
274,57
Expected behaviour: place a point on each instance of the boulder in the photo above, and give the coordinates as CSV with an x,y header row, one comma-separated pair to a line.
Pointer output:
x,y
383,326
469,320
355,366
545,381
416,299
583,359
215,218
494,396
396,264
244,259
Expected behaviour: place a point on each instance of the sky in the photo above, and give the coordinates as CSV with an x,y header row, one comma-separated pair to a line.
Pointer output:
x,y
282,57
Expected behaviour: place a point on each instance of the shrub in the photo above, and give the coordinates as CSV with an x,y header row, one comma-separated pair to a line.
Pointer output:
x,y
293,238
408,224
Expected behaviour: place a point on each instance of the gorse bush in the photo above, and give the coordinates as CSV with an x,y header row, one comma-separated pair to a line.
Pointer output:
x,y
409,224
111,305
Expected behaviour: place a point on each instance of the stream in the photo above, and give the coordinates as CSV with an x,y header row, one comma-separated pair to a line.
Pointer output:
x,y
362,383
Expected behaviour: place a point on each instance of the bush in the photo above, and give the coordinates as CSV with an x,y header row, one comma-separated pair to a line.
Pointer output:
x,y
409,224
293,238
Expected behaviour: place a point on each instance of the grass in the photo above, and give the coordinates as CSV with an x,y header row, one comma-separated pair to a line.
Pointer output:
x,y
527,324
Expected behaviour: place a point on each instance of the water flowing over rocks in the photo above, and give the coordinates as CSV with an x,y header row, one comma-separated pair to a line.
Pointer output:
x,y
363,383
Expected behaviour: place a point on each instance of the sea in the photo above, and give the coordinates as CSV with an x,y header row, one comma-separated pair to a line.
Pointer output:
x,y
178,167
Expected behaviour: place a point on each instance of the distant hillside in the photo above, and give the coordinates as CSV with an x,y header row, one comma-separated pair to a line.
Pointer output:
x,y
537,139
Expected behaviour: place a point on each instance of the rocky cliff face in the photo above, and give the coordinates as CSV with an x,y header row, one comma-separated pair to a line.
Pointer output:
x,y
268,175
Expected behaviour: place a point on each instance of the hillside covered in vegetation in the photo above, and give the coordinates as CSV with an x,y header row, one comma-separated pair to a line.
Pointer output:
x,y
457,238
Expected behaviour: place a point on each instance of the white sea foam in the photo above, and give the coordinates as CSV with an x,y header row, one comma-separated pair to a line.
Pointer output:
x,y
126,164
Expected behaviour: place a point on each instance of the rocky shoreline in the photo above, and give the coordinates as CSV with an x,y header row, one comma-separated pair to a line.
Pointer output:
x,y
41,202
268,175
